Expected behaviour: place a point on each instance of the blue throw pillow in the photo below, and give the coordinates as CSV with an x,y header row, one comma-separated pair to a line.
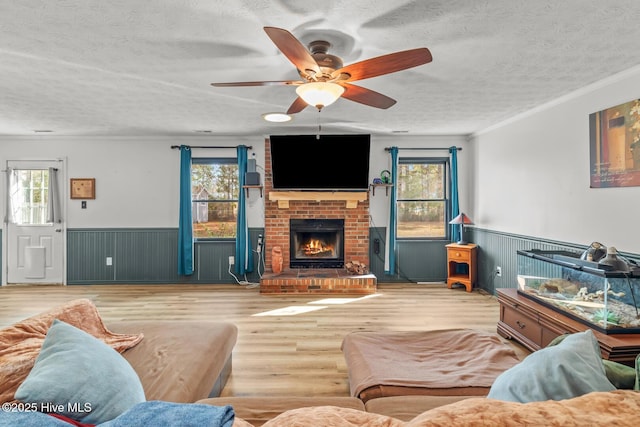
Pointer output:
x,y
79,376
570,369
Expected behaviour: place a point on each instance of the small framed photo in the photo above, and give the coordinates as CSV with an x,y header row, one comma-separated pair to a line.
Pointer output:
x,y
83,188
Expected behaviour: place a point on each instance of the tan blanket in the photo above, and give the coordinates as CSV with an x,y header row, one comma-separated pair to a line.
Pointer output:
x,y
619,408
451,362
21,342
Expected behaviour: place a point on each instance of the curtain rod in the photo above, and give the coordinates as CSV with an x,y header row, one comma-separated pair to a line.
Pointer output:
x,y
210,146
422,148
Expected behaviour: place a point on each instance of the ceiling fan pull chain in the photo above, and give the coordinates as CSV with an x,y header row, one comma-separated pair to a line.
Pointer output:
x,y
319,125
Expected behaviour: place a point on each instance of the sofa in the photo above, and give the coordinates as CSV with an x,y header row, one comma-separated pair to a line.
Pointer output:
x,y
564,384
619,408
257,411
182,361
55,354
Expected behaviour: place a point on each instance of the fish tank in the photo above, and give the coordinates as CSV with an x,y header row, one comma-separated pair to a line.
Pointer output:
x,y
604,299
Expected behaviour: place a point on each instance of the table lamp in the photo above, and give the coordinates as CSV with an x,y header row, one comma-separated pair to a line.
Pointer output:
x,y
461,220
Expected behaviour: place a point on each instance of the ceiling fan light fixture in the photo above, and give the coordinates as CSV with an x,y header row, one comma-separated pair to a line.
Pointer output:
x,y
277,117
320,94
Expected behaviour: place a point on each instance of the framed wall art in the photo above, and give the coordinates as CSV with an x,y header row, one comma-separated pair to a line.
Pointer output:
x,y
83,188
614,147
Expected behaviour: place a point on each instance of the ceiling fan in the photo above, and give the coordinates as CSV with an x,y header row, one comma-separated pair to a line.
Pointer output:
x,y
325,79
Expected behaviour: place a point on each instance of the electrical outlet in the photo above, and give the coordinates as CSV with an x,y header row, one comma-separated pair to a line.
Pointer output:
x,y
499,271
232,260
260,242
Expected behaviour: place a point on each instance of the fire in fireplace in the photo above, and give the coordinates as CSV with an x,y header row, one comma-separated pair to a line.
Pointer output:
x,y
316,248
316,243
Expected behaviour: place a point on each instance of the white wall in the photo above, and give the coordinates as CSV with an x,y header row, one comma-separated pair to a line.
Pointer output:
x,y
137,178
532,173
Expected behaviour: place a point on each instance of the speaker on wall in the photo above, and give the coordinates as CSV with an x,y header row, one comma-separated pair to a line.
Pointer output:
x,y
252,178
251,165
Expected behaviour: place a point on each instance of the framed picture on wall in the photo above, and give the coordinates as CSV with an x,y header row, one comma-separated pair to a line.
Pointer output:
x,y
83,188
614,146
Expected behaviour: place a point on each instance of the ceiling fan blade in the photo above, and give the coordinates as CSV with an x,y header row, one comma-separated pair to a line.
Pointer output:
x,y
385,64
264,83
297,106
293,50
367,96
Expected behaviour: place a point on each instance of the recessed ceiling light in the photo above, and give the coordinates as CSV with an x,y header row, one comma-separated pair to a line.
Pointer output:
x,y
277,117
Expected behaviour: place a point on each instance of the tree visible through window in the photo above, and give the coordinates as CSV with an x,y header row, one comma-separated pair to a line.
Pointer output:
x,y
214,194
421,198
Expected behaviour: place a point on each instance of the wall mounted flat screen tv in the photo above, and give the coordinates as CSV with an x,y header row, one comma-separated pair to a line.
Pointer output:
x,y
330,163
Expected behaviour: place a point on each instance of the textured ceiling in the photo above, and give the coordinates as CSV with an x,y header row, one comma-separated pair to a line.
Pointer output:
x,y
144,67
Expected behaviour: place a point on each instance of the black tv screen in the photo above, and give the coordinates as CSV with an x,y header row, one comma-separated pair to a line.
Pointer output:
x,y
332,162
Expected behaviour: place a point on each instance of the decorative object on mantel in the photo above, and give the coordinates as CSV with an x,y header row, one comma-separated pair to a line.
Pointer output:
x,y
356,267
461,220
276,260
83,188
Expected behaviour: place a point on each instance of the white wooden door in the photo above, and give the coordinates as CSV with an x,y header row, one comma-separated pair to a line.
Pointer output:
x,y
35,239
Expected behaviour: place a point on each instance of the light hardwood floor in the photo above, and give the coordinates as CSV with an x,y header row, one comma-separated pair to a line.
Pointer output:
x,y
278,355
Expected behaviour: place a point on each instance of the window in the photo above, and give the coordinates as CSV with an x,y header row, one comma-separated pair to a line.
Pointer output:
x,y
422,198
29,196
214,196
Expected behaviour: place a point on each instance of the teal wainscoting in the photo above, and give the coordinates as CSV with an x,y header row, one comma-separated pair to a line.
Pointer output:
x,y
376,260
147,255
416,260
500,249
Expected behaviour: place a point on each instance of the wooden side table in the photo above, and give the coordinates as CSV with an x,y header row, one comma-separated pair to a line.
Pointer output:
x,y
466,255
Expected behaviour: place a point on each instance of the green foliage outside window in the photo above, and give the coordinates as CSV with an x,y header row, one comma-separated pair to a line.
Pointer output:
x,y
214,191
421,199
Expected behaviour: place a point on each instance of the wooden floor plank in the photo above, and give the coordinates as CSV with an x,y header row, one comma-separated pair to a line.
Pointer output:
x,y
284,355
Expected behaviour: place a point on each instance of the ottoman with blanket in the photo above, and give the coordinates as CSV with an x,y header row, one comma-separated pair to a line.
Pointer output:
x,y
452,362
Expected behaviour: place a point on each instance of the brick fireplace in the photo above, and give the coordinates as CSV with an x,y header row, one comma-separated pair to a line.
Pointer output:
x,y
282,207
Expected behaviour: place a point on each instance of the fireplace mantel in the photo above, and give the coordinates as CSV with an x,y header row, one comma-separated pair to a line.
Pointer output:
x,y
284,197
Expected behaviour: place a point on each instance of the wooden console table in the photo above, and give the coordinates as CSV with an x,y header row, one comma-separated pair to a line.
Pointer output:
x,y
462,254
535,326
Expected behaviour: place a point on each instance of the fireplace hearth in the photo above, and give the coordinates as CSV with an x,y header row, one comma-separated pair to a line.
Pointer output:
x,y
316,243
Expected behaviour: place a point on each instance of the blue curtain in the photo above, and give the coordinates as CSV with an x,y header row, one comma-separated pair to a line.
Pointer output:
x,y
455,205
185,226
244,254
390,247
